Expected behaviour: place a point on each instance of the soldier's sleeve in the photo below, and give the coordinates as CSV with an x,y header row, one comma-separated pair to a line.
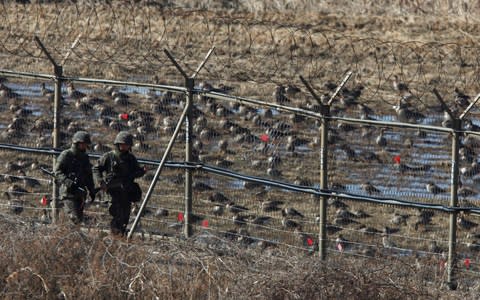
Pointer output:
x,y
90,183
137,170
99,168
60,169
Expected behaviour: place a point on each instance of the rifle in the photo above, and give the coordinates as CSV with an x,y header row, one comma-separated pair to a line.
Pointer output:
x,y
75,182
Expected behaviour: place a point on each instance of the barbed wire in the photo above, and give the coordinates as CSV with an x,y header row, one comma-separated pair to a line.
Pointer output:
x,y
118,40
255,50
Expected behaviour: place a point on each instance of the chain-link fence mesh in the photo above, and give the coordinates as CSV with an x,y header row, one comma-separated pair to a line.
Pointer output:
x,y
411,164
257,56
254,140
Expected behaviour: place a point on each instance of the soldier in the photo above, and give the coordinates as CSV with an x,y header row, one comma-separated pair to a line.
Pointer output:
x,y
73,172
120,168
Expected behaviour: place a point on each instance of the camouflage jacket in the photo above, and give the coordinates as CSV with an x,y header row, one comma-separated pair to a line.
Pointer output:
x,y
117,169
73,170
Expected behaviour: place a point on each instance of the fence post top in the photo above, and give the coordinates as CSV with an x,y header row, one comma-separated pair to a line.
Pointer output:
x,y
58,70
325,110
189,83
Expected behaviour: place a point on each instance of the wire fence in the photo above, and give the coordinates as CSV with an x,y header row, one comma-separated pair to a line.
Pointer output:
x,y
257,151
256,167
108,36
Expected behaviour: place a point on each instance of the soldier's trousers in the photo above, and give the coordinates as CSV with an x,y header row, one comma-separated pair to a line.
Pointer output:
x,y
73,208
120,211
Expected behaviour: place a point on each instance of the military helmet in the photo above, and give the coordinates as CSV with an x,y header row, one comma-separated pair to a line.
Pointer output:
x,y
124,137
81,137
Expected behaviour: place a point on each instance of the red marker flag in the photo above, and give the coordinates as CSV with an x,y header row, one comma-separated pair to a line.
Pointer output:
x,y
180,217
309,241
205,223
124,116
467,263
396,159
264,138
44,201
340,247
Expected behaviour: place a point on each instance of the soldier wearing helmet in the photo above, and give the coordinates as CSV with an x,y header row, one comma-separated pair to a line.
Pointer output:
x,y
73,172
115,172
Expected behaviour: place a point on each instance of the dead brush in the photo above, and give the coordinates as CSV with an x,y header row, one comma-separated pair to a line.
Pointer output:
x,y
61,262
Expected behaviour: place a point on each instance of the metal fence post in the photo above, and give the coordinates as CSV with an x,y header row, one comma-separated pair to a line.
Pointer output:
x,y
323,181
189,84
56,133
157,174
58,71
452,236
187,117
57,105
325,112
452,240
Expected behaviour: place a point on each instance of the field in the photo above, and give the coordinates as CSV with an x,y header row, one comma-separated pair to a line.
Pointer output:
x,y
258,46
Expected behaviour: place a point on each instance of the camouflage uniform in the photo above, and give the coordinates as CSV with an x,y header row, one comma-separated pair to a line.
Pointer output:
x,y
73,172
120,169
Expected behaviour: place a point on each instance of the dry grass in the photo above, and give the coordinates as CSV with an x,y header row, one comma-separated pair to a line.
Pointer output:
x,y
63,263
257,42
